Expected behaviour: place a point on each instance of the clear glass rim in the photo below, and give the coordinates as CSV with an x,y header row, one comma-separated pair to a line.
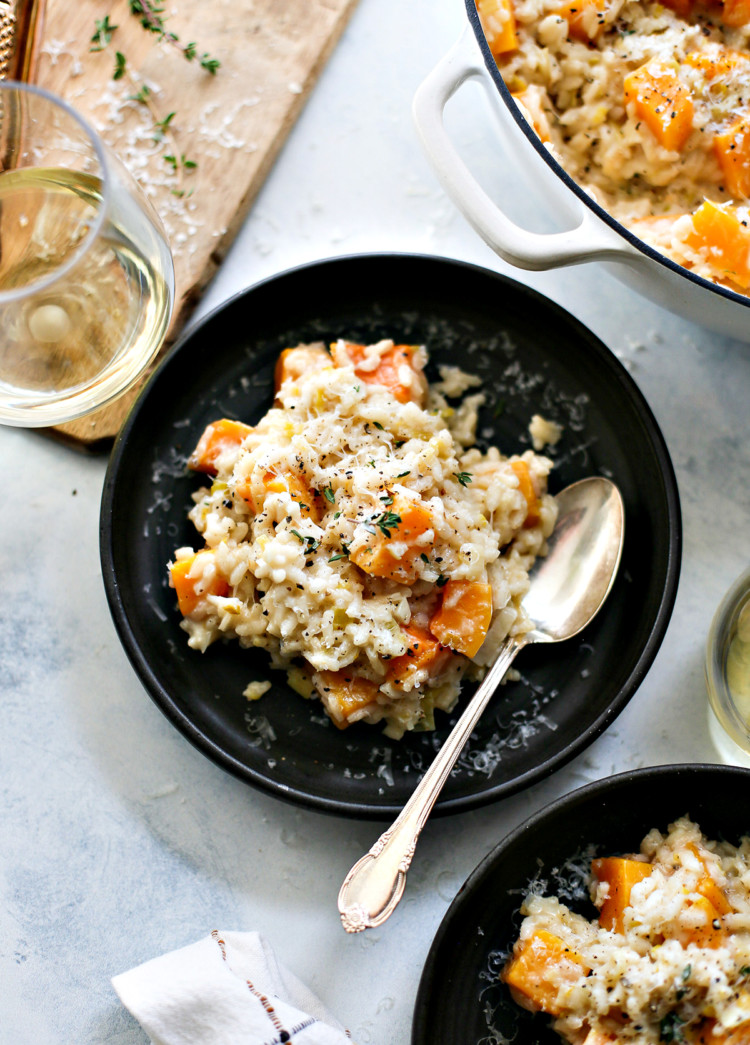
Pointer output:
x,y
7,296
719,695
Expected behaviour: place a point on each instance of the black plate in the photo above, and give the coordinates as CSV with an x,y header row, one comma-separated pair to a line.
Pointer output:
x,y
460,999
533,357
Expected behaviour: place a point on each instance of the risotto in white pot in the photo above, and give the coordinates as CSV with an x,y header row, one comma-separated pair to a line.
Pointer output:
x,y
647,106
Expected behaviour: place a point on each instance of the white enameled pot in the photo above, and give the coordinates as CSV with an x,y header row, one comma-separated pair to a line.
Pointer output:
x,y
592,233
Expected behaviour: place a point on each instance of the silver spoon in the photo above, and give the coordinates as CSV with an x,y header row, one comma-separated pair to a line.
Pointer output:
x,y
568,587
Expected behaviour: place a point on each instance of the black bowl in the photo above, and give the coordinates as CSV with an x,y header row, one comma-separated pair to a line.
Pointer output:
x,y
533,357
460,999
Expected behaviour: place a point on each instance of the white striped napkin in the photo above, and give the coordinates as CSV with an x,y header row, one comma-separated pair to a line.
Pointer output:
x,y
226,989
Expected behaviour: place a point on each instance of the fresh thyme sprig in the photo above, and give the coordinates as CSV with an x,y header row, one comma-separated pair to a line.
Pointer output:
x,y
150,15
151,18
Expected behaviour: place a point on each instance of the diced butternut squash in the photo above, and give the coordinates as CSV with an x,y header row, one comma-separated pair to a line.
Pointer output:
x,y
539,966
723,240
499,24
732,151
396,371
708,887
682,8
709,930
195,578
716,62
621,874
662,102
344,693
311,503
585,18
707,909
526,486
393,549
736,13
528,102
423,653
715,895
294,362
703,1034
218,437
597,1037
464,616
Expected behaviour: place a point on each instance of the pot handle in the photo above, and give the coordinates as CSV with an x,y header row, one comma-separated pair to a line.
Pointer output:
x,y
591,240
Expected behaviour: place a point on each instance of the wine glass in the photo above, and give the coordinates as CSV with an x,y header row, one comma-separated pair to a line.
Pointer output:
x,y
86,274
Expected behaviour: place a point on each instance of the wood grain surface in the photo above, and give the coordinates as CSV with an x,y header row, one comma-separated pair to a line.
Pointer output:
x,y
231,124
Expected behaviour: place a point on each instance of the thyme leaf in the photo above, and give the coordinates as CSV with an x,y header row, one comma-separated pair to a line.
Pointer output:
x,y
103,33
142,95
120,65
670,1028
387,521
161,126
311,542
179,162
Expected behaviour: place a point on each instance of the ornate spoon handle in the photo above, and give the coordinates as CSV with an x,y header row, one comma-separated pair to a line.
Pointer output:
x,y
375,884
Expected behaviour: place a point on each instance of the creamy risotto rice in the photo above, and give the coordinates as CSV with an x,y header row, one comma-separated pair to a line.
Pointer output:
x,y
357,535
647,106
668,960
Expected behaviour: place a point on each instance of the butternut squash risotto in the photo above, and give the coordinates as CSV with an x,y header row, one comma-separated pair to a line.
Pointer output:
x,y
356,535
647,106
668,961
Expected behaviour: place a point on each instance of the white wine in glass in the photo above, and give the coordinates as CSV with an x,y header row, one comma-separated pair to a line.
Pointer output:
x,y
86,275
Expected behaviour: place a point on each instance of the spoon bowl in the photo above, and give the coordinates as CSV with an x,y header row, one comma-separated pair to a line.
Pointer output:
x,y
567,588
570,583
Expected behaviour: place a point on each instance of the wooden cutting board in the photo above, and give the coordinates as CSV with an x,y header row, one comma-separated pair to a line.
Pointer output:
x,y
231,125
